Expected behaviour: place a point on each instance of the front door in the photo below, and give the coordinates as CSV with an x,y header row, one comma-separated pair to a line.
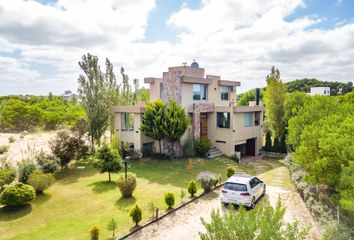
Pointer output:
x,y
203,125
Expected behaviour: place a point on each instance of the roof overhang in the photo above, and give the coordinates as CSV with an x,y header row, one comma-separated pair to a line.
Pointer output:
x,y
229,83
256,108
186,79
128,109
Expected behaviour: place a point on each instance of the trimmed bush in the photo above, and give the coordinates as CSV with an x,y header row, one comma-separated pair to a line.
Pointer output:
x,y
126,186
192,188
207,180
202,146
4,149
136,214
41,181
48,163
94,233
230,171
12,139
25,168
7,176
170,199
17,194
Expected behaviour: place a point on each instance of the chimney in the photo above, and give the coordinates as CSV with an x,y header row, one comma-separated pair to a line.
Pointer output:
x,y
257,95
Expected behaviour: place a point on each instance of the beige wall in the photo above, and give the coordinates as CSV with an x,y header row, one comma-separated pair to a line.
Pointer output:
x,y
155,90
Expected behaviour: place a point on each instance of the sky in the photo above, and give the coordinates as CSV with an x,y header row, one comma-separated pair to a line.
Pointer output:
x,y
41,42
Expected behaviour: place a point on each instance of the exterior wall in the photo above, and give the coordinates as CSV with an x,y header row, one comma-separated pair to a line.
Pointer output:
x,y
155,89
325,91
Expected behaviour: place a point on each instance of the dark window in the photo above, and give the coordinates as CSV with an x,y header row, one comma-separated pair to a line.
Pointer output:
x,y
254,182
235,187
224,93
223,120
257,116
127,121
199,92
161,90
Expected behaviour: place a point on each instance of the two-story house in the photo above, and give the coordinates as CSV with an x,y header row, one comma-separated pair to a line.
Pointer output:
x,y
209,101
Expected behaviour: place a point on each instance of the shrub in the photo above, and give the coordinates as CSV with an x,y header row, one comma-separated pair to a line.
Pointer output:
x,y
7,176
95,233
151,208
192,188
202,146
333,230
17,194
188,148
68,146
12,139
48,163
235,158
170,199
126,186
4,149
230,171
25,168
268,143
41,181
136,214
5,163
207,180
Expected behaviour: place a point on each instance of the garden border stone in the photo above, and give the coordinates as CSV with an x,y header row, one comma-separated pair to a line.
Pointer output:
x,y
168,213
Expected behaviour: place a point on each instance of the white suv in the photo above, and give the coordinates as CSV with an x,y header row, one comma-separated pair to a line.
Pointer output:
x,y
242,189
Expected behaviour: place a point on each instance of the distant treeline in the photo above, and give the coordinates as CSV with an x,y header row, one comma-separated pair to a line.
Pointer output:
x,y
27,113
302,85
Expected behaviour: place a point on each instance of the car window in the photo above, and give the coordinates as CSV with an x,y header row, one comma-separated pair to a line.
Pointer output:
x,y
252,183
235,187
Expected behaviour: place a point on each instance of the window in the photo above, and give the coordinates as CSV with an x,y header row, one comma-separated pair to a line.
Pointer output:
x,y
235,187
224,93
257,116
199,92
254,182
223,120
248,119
161,90
127,121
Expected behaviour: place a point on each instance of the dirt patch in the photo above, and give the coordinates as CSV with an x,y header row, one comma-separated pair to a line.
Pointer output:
x,y
27,146
186,223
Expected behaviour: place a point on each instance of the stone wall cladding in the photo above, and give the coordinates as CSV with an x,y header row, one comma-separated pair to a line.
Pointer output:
x,y
172,85
197,109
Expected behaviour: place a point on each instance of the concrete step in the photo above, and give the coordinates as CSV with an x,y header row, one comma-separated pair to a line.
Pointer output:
x,y
214,152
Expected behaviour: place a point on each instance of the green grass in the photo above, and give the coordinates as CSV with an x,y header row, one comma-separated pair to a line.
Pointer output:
x,y
82,198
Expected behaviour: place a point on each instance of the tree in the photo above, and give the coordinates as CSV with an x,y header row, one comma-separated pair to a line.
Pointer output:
x,y
248,96
268,143
192,188
136,214
95,92
274,98
175,123
112,226
153,121
108,160
264,223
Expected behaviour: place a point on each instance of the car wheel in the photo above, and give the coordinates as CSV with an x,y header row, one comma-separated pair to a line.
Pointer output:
x,y
253,204
264,190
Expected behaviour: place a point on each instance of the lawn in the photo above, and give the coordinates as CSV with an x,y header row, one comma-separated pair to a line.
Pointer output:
x,y
82,198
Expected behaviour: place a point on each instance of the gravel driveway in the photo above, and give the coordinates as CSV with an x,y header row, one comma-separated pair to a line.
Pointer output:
x,y
185,223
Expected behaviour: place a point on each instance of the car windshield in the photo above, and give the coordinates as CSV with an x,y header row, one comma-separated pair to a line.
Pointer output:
x,y
235,187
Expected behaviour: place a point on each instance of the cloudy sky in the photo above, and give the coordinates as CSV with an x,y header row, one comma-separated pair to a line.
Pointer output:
x,y
42,41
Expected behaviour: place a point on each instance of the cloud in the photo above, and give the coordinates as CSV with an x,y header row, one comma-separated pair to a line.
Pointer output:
x,y
239,40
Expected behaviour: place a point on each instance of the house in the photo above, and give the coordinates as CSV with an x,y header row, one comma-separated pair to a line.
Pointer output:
x,y
67,95
209,102
324,91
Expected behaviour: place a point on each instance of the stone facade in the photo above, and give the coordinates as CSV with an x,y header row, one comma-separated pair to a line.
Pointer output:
x,y
172,82
197,109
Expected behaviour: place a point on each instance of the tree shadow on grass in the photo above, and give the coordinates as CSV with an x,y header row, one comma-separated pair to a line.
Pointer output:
x,y
124,203
103,186
71,175
41,198
9,213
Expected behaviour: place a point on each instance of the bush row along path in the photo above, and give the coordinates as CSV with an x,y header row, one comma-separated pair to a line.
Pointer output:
x,y
185,223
